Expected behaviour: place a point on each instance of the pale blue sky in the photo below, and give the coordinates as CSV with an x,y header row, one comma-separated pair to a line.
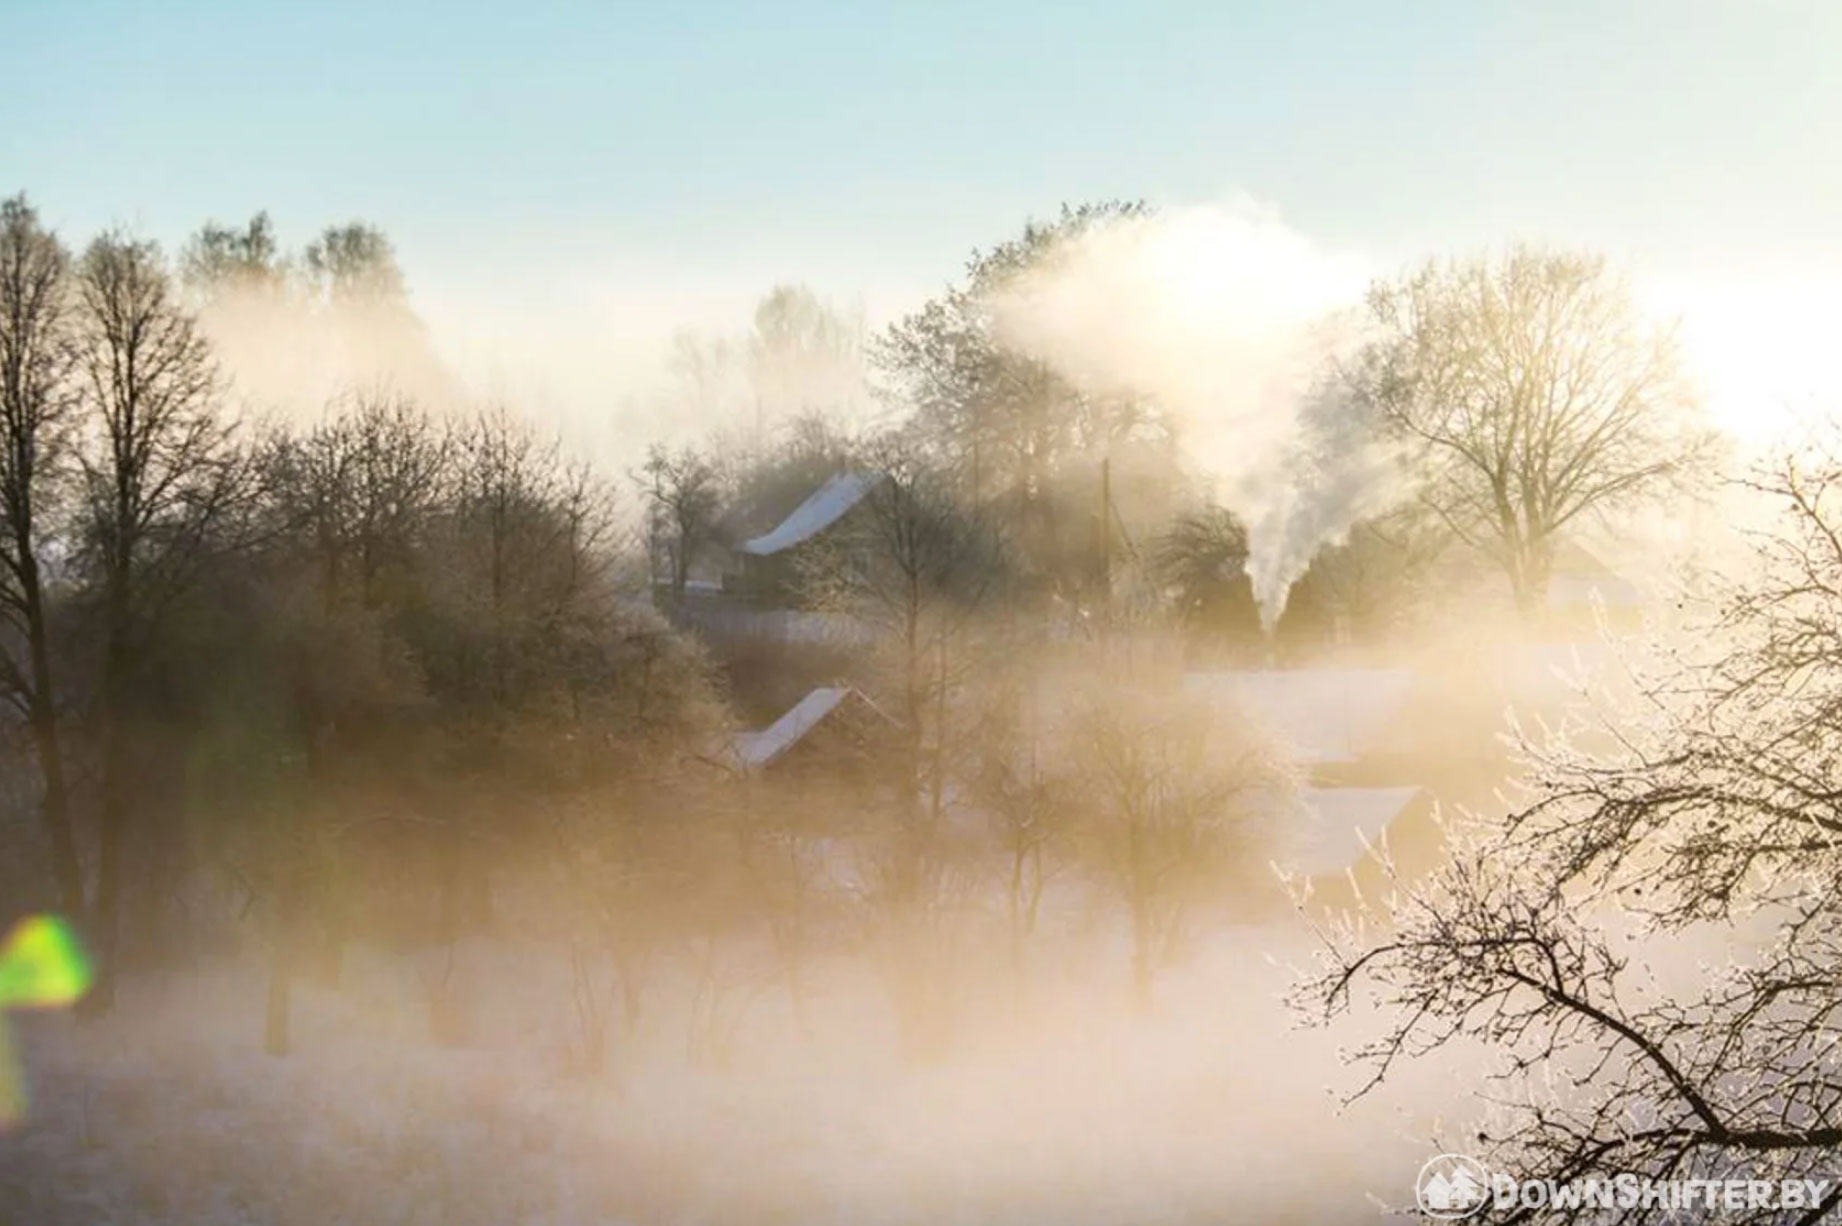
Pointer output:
x,y
915,131
867,147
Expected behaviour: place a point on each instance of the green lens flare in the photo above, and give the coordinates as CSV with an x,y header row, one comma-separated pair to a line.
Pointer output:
x,y
42,965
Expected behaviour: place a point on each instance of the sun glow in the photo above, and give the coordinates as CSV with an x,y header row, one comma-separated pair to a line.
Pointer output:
x,y
1757,347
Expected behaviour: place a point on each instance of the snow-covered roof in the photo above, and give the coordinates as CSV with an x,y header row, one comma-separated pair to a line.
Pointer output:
x,y
757,749
1337,825
821,510
1327,716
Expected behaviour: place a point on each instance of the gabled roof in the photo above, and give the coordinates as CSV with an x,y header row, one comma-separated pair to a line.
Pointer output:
x,y
821,510
757,749
1326,716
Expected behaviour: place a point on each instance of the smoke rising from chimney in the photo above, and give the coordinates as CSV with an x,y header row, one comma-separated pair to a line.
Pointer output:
x,y
1233,322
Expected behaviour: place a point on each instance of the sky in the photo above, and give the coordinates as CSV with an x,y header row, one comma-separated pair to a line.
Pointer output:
x,y
583,176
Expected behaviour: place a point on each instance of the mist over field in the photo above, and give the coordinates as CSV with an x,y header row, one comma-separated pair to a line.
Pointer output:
x,y
625,617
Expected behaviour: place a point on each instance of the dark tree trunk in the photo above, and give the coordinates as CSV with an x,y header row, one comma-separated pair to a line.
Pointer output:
x,y
105,915
105,912
65,866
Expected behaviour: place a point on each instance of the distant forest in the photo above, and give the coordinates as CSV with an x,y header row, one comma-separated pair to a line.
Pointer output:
x,y
277,685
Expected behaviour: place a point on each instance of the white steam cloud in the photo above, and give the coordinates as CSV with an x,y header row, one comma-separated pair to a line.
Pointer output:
x,y
1226,316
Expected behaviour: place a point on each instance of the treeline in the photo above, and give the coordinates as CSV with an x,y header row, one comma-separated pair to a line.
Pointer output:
x,y
358,680
1513,401
371,675
221,634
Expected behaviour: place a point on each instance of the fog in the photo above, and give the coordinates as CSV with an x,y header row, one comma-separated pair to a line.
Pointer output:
x,y
1228,318
964,615
1061,1101
497,831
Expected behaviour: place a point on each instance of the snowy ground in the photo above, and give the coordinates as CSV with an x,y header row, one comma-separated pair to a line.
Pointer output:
x,y
1074,1110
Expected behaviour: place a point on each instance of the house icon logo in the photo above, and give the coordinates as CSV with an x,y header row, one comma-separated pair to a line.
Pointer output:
x,y
1452,1186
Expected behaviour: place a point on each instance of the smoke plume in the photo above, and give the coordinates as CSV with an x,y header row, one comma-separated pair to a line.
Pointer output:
x,y
1231,321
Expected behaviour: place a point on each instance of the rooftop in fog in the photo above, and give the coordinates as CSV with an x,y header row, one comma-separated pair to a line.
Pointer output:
x,y
757,749
825,507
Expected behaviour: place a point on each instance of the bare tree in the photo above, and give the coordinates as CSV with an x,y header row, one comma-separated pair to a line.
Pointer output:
x,y
362,487
355,495
913,567
1535,395
912,564
159,477
356,292
36,396
352,263
519,631
220,260
1572,939
1175,800
530,529
683,492
1019,777
804,357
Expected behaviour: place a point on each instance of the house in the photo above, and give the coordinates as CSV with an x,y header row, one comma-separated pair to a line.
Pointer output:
x,y
739,564
743,597
765,567
1342,726
833,729
1377,755
1380,750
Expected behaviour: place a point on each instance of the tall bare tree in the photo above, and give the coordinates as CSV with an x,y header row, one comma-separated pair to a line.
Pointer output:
x,y
538,528
523,627
1019,776
1535,395
36,394
355,497
357,291
159,477
913,565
